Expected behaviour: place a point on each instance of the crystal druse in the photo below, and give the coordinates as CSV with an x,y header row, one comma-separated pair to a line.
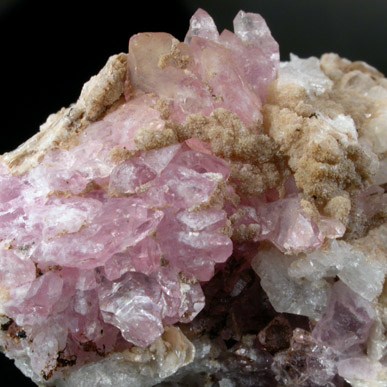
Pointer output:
x,y
204,214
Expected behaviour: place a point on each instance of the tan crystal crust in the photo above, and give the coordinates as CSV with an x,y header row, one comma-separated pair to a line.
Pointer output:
x,y
331,172
255,159
97,95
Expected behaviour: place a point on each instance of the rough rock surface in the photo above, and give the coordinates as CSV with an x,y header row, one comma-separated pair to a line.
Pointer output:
x,y
204,214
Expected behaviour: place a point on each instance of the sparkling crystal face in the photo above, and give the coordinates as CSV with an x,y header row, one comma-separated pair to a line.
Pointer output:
x,y
201,212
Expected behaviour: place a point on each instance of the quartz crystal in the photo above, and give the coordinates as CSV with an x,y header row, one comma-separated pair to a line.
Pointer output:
x,y
204,214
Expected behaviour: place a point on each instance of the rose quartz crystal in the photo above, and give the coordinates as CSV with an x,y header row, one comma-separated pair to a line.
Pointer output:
x,y
107,240
130,252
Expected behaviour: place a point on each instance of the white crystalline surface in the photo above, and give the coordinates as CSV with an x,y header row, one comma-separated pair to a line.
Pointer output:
x,y
362,274
301,284
288,293
305,73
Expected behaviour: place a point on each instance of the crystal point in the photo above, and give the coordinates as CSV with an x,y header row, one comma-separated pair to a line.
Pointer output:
x,y
203,26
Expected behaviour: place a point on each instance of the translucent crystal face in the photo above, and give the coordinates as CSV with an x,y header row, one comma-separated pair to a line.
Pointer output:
x,y
123,256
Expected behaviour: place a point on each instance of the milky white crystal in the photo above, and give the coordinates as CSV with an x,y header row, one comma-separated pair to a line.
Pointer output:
x,y
289,294
305,73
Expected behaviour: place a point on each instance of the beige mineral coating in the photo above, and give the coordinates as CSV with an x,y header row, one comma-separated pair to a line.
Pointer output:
x,y
61,128
325,170
255,160
323,166
335,139
362,91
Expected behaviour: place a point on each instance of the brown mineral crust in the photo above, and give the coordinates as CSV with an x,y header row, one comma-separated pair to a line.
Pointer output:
x,y
339,208
256,162
361,90
329,173
358,225
367,212
14,332
175,57
65,361
4,326
322,171
163,107
243,233
276,336
217,199
102,92
119,155
148,139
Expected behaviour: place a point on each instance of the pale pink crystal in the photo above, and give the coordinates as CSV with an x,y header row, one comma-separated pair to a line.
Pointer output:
x,y
220,72
132,305
129,175
121,223
37,301
192,243
143,258
216,66
284,223
139,304
79,234
259,55
347,322
306,363
14,271
360,368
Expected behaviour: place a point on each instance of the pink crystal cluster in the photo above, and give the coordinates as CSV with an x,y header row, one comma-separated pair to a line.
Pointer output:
x,y
336,344
284,223
94,252
133,261
99,254
230,71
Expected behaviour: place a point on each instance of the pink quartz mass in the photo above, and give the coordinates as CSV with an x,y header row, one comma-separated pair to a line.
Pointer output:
x,y
114,264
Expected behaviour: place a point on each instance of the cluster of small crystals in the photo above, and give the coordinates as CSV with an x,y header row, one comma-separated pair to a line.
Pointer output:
x,y
109,240
97,252
247,342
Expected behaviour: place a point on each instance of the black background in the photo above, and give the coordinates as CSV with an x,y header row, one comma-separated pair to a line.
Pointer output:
x,y
50,48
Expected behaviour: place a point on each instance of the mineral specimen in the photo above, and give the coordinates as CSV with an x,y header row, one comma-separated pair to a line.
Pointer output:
x,y
203,215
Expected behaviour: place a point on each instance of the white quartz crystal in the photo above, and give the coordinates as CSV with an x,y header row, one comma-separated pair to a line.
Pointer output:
x,y
304,296
139,367
363,275
305,73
